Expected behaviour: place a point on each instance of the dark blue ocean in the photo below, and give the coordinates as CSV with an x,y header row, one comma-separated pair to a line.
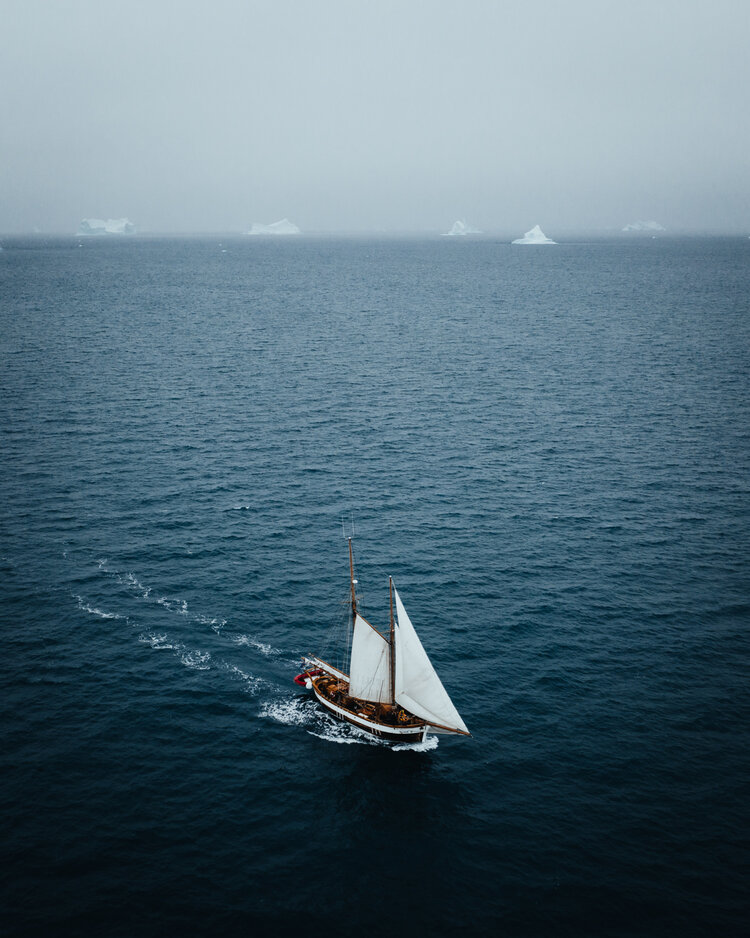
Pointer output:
x,y
549,451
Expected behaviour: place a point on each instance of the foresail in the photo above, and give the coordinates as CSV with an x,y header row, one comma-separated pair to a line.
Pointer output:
x,y
370,671
418,688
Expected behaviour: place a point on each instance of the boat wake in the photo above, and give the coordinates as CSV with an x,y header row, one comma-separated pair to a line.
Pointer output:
x,y
156,641
176,606
253,685
216,624
192,658
429,743
92,610
291,711
196,659
304,712
263,647
347,734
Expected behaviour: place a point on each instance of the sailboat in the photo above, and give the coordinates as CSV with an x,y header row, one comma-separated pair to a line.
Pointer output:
x,y
392,691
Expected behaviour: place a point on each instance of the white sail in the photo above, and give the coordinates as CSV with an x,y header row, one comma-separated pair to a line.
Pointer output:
x,y
418,688
370,670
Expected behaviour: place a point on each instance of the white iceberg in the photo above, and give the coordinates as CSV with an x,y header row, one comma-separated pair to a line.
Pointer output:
x,y
647,226
283,227
109,226
535,236
460,228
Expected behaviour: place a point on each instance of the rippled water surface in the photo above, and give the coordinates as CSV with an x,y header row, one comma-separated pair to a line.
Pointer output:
x,y
547,449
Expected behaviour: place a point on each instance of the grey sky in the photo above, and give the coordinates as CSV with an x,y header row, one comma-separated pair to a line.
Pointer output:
x,y
350,115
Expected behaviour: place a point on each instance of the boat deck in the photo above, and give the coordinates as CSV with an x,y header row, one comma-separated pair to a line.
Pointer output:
x,y
336,692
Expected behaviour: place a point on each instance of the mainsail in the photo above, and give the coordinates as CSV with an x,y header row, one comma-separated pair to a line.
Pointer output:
x,y
370,671
418,688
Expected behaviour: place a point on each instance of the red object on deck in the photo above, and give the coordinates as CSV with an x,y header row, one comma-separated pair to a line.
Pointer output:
x,y
301,678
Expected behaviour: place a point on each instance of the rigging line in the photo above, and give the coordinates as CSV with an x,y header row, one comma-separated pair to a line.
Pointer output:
x,y
337,630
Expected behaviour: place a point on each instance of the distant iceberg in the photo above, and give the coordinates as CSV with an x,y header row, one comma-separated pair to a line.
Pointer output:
x,y
647,226
110,226
460,228
535,236
283,227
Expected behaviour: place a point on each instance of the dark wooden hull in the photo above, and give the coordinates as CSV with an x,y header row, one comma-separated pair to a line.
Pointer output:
x,y
414,732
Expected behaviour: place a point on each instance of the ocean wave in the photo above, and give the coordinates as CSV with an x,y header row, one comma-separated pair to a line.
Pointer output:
x,y
303,711
193,658
293,711
347,735
335,732
254,685
155,641
427,745
101,613
263,647
128,580
131,581
172,604
178,606
196,659
216,623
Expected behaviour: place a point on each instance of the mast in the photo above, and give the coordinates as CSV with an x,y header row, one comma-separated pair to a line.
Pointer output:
x,y
393,643
353,582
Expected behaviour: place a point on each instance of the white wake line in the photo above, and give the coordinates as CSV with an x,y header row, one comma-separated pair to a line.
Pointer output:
x,y
200,660
180,607
193,658
263,647
100,613
289,711
254,684
304,712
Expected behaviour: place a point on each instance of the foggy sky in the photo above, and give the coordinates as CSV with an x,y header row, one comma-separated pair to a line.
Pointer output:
x,y
355,116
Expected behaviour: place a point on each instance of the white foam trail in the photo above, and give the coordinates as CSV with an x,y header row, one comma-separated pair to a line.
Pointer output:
x,y
346,735
253,684
303,711
217,624
178,606
240,508
263,647
155,641
196,659
192,658
133,583
430,742
129,580
290,712
92,610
